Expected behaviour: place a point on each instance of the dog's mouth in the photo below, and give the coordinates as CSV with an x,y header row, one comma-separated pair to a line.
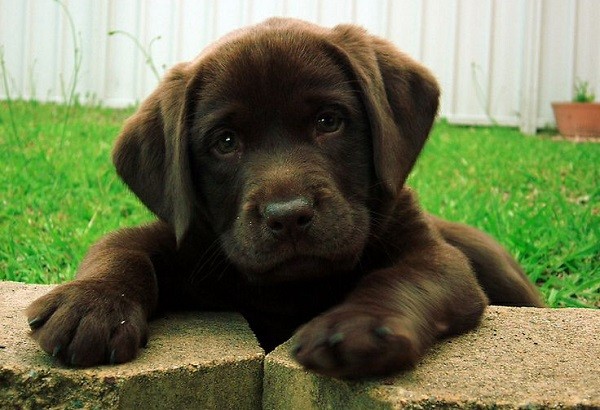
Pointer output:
x,y
301,267
331,244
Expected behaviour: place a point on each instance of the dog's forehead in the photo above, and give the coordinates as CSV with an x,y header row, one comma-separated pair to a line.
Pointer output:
x,y
270,63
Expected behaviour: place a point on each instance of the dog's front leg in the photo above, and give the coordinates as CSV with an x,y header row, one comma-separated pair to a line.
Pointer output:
x,y
392,317
101,316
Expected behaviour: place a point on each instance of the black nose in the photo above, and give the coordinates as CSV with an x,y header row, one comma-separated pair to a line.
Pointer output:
x,y
289,219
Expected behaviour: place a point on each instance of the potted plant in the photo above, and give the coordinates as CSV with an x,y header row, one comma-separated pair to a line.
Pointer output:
x,y
581,117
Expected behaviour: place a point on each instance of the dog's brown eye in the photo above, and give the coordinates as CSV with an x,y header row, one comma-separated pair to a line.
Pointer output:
x,y
328,121
226,144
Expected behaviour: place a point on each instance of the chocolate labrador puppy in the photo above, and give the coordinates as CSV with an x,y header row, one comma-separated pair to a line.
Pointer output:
x,y
276,162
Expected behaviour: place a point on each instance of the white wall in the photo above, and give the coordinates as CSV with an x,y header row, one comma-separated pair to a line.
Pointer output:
x,y
497,60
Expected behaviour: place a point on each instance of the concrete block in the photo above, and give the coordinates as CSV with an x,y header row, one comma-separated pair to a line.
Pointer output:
x,y
193,361
519,358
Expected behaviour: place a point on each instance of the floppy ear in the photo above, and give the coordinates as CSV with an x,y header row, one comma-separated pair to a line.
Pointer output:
x,y
151,155
401,98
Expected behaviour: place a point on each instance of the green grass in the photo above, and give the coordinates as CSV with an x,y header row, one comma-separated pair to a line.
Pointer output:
x,y
540,198
58,196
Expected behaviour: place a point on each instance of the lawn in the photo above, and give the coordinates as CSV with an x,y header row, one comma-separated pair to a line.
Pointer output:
x,y
539,197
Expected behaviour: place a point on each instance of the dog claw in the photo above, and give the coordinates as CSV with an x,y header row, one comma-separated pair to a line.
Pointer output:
x,y
35,323
296,349
336,339
383,332
56,350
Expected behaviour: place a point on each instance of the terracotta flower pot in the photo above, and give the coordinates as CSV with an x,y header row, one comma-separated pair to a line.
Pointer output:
x,y
577,119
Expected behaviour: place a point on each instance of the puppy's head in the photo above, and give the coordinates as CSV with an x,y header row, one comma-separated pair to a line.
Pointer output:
x,y
281,137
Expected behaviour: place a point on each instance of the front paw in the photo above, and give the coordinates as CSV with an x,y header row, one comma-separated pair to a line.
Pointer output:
x,y
354,342
85,323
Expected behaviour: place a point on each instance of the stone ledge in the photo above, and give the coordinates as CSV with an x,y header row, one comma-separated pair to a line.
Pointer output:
x,y
519,358
193,360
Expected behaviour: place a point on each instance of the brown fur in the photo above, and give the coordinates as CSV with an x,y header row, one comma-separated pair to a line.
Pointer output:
x,y
276,163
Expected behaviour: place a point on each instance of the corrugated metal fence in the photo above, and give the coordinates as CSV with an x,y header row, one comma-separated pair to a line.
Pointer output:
x,y
498,61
